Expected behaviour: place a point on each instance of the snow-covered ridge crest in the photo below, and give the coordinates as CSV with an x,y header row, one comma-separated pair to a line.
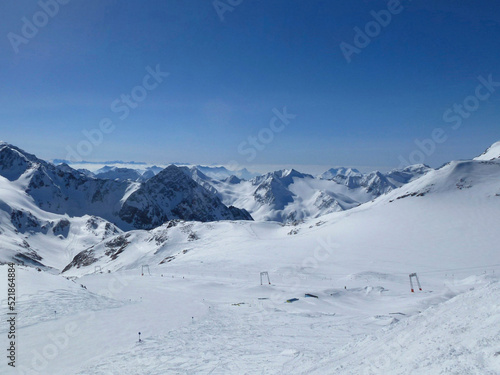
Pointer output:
x,y
493,152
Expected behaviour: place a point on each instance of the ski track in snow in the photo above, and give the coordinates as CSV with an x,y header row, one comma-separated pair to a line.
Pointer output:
x,y
374,327
437,341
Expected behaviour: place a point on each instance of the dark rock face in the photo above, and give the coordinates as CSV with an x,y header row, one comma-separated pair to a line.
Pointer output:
x,y
173,194
24,221
62,228
83,259
117,246
13,162
240,214
233,180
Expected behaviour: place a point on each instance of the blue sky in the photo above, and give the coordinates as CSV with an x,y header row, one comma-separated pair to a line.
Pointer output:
x,y
227,77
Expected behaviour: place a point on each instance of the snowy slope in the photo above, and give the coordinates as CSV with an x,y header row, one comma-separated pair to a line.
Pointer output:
x,y
428,210
491,153
474,178
460,336
216,281
35,237
202,309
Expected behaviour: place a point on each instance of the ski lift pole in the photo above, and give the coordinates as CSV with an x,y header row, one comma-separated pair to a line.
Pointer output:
x,y
265,274
414,275
418,282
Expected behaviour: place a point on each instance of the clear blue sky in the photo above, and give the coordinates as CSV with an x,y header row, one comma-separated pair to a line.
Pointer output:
x,y
226,77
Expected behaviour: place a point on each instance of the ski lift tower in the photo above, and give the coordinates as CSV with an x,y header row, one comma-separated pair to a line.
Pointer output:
x,y
414,275
263,275
145,267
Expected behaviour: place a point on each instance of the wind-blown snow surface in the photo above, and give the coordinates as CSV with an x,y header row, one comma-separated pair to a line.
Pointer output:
x,y
201,308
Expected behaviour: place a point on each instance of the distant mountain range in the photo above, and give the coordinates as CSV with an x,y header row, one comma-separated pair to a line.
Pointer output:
x,y
285,195
139,171
420,198
50,213
170,194
289,195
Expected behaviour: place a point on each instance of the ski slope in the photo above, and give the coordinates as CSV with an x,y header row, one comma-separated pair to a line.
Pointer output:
x,y
201,309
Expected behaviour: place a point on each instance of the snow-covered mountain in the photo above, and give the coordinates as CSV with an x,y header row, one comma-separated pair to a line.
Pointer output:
x,y
140,172
171,194
469,182
342,171
338,299
289,195
222,173
32,236
480,175
491,153
120,174
285,195
376,182
126,174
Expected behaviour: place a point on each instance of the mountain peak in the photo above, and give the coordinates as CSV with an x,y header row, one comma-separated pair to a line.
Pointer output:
x,y
173,170
292,172
173,194
233,180
14,162
341,171
493,152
